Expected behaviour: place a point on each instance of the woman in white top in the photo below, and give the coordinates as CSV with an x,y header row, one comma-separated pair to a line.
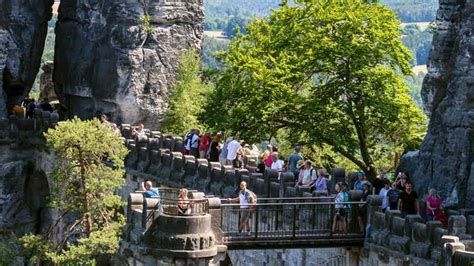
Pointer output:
x,y
277,164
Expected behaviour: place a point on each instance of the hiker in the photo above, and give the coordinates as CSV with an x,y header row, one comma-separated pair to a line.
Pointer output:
x,y
307,176
204,143
433,204
408,202
246,199
232,149
293,161
340,218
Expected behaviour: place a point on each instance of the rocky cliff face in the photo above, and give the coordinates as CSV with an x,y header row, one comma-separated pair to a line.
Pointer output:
x,y
23,28
446,157
24,191
121,57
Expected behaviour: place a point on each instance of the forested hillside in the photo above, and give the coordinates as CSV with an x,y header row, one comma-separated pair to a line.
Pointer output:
x,y
220,12
413,10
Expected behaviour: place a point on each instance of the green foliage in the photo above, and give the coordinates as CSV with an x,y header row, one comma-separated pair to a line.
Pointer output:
x,y
189,95
36,247
419,42
415,83
209,48
235,25
413,10
48,55
146,24
84,188
326,71
219,13
8,250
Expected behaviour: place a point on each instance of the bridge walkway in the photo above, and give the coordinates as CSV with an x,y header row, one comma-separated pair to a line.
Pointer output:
x,y
288,223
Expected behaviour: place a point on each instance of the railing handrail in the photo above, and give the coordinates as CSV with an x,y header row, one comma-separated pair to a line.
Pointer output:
x,y
295,203
292,198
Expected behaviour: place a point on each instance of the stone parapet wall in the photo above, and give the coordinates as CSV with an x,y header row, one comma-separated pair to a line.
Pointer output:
x,y
158,157
410,239
27,130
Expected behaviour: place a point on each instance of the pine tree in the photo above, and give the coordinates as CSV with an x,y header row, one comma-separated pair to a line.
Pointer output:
x,y
84,190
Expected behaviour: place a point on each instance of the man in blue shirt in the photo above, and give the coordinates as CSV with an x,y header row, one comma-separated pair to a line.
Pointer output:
x,y
359,184
293,160
151,192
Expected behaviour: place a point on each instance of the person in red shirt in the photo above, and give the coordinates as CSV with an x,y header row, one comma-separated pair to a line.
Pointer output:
x,y
204,142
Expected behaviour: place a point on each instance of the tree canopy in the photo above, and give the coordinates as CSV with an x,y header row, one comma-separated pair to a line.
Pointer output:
x,y
84,193
329,72
188,96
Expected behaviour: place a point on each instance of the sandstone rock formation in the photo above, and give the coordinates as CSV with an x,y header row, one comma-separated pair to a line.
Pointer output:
x,y
47,92
23,28
121,57
24,191
446,157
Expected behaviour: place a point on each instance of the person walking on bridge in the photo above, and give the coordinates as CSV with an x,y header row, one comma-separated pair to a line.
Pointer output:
x,y
246,199
293,162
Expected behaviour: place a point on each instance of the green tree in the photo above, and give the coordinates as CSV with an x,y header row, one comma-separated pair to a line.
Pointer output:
x,y
329,72
188,96
235,25
8,248
209,48
84,190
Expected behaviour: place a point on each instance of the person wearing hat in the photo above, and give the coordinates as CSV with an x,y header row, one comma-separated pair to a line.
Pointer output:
x,y
358,185
293,160
307,175
300,166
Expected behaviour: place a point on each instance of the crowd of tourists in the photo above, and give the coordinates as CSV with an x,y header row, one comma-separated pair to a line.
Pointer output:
x,y
396,195
104,120
232,152
26,109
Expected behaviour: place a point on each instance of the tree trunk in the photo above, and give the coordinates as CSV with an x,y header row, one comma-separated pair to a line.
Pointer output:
x,y
87,217
369,170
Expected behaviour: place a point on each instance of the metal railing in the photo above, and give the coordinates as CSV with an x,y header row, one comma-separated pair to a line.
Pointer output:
x,y
185,207
302,218
169,203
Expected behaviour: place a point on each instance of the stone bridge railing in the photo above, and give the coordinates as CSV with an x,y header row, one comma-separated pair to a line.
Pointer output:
x,y
412,240
27,130
157,155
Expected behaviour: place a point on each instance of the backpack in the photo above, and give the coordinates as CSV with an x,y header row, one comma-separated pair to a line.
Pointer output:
x,y
248,194
346,199
187,140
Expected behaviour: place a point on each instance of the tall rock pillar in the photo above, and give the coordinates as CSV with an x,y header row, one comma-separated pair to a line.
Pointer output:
x,y
23,29
121,57
445,160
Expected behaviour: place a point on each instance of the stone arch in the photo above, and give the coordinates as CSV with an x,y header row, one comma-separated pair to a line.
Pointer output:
x,y
37,195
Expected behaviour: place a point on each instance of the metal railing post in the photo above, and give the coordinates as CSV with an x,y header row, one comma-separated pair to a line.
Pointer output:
x,y
222,218
256,221
331,218
294,220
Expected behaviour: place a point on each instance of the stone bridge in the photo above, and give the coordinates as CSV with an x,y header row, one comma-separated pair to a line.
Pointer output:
x,y
390,239
284,216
